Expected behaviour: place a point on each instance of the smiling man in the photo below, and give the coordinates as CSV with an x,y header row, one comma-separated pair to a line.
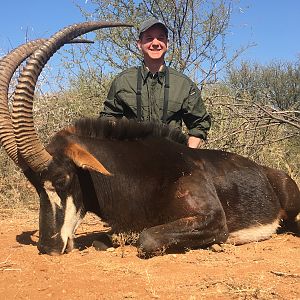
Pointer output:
x,y
155,92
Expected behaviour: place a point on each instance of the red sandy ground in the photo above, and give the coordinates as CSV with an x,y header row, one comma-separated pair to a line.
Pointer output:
x,y
264,270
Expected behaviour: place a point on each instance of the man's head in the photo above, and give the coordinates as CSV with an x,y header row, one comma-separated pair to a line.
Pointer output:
x,y
150,23
153,40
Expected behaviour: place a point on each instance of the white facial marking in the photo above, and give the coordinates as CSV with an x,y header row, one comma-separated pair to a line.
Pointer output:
x,y
71,221
297,220
51,192
253,234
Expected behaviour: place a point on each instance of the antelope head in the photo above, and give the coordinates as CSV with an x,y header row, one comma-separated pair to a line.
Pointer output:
x,y
55,179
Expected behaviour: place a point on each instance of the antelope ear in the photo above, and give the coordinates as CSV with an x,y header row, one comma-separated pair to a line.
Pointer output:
x,y
84,159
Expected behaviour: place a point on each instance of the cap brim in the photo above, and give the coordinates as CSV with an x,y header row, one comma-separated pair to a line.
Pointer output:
x,y
154,22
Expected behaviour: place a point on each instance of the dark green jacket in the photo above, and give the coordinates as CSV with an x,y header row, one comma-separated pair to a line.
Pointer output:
x,y
185,102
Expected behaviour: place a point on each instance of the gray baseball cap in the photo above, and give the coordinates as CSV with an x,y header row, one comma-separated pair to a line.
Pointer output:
x,y
149,23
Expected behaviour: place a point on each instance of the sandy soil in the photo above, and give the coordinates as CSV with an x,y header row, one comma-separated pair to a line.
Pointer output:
x,y
264,270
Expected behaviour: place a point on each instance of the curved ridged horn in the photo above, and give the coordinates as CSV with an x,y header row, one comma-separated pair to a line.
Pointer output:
x,y
8,66
27,140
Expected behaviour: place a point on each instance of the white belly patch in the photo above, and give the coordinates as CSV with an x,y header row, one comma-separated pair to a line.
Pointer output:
x,y
253,234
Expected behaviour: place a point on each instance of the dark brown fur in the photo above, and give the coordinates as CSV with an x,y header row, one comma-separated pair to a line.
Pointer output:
x,y
175,196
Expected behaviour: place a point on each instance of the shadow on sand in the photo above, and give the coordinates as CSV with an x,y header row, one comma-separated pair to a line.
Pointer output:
x,y
82,241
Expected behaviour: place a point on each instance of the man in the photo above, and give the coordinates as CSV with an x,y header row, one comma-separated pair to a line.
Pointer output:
x,y
156,92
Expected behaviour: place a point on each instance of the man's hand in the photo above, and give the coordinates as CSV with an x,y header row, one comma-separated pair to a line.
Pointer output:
x,y
195,142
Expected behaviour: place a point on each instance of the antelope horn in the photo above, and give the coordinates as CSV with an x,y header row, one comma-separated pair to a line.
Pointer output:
x,y
8,65
27,140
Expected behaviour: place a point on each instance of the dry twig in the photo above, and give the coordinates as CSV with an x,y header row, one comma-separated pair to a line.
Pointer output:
x,y
285,274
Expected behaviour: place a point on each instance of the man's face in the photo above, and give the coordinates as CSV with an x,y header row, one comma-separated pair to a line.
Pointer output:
x,y
153,43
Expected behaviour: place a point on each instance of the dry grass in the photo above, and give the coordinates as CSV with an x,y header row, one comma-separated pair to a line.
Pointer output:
x,y
16,193
8,265
242,127
237,127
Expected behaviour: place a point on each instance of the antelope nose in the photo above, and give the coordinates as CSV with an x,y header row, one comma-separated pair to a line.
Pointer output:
x,y
44,249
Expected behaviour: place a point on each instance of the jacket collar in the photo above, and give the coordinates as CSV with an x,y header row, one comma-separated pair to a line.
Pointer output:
x,y
146,73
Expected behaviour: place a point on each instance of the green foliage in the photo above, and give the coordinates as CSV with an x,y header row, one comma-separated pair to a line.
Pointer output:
x,y
274,93
197,34
276,84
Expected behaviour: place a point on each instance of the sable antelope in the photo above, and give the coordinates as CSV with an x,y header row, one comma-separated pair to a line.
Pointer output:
x,y
137,176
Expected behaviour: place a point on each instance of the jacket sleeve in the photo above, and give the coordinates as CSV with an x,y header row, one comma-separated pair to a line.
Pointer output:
x,y
195,116
111,106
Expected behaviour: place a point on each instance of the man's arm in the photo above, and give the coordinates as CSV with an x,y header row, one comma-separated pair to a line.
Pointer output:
x,y
196,118
111,106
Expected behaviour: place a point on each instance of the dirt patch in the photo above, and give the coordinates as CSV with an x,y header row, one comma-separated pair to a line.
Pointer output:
x,y
264,270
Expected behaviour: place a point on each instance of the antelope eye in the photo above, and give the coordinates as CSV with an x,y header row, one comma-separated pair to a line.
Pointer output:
x,y
62,183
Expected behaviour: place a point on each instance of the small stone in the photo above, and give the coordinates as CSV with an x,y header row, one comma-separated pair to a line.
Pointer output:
x,y
216,248
100,246
110,249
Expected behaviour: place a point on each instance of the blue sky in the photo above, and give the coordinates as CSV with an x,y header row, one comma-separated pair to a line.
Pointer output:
x,y
273,25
